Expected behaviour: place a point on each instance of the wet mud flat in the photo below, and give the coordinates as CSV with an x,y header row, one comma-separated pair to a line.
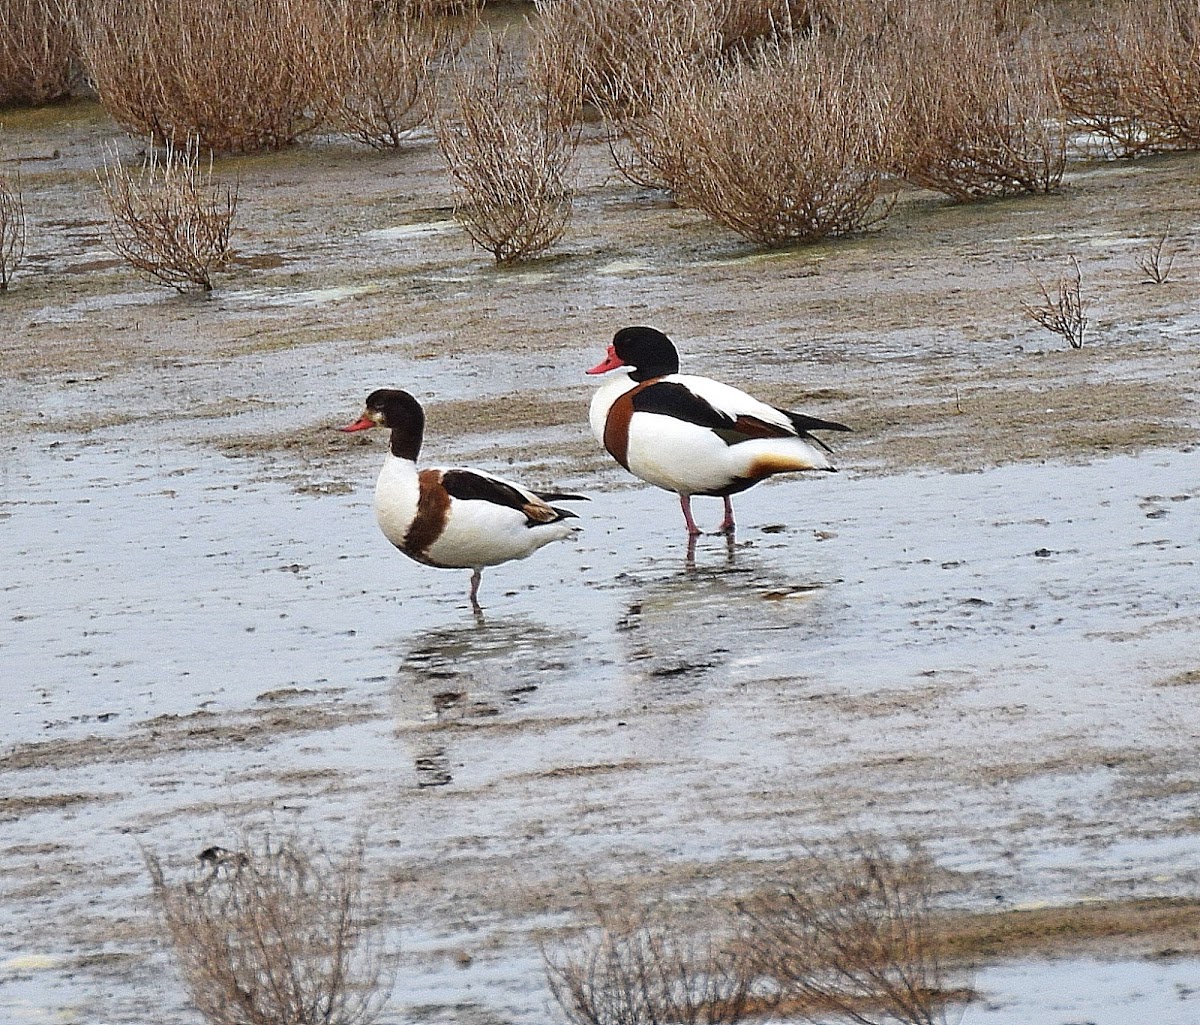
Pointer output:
x,y
981,634
1011,683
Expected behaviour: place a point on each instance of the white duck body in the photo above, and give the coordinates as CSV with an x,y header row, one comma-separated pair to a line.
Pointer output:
x,y
693,459
473,532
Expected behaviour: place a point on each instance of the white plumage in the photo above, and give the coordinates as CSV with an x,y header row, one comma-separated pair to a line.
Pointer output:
x,y
693,435
452,518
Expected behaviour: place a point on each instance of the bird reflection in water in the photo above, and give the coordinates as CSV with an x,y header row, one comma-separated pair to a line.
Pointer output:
x,y
464,675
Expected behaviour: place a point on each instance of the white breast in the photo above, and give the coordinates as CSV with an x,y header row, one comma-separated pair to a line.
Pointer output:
x,y
614,386
396,493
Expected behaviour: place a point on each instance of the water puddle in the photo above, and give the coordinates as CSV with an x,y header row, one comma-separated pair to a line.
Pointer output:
x,y
305,297
399,232
1069,991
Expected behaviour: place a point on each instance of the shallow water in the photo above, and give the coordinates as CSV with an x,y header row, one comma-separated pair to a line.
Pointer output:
x,y
978,661
1071,990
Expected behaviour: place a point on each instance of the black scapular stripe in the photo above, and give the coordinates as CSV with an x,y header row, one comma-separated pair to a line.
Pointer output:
x,y
467,486
678,400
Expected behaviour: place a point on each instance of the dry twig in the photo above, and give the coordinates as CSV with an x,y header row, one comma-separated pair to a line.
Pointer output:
x,y
1156,260
1064,312
853,940
637,968
278,933
12,227
169,218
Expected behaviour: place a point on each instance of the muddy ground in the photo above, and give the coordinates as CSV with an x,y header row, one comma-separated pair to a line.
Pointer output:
x,y
981,635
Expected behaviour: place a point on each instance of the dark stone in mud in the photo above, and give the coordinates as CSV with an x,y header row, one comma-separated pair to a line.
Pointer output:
x,y
433,770
447,699
680,668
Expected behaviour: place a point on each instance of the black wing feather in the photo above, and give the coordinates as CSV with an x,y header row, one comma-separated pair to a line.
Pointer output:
x,y
805,423
559,496
678,400
466,486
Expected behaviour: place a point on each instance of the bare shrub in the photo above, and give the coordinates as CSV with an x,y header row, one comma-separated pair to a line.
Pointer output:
x,y
509,150
12,227
626,53
1156,259
625,50
621,42
37,52
980,113
279,934
1132,76
1064,311
384,61
638,968
240,75
853,939
791,144
169,217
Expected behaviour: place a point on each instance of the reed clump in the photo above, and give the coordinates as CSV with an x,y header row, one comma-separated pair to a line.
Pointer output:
x,y
639,967
12,227
791,143
980,116
384,64
854,939
1131,77
850,935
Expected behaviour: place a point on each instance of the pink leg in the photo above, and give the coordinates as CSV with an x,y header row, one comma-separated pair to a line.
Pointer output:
x,y
685,502
727,523
476,577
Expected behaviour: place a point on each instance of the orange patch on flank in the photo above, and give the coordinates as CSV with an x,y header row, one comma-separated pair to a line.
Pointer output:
x,y
766,465
539,512
433,509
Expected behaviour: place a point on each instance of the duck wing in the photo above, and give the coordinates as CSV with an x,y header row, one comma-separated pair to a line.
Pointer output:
x,y
476,486
731,414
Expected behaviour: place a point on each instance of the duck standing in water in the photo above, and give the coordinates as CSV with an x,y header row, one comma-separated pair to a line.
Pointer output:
x,y
453,518
693,435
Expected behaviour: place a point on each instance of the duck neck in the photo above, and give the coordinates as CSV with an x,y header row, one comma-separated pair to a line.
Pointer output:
x,y
662,366
406,445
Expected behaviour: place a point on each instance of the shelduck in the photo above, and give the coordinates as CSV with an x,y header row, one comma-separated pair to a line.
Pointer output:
x,y
453,518
693,435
